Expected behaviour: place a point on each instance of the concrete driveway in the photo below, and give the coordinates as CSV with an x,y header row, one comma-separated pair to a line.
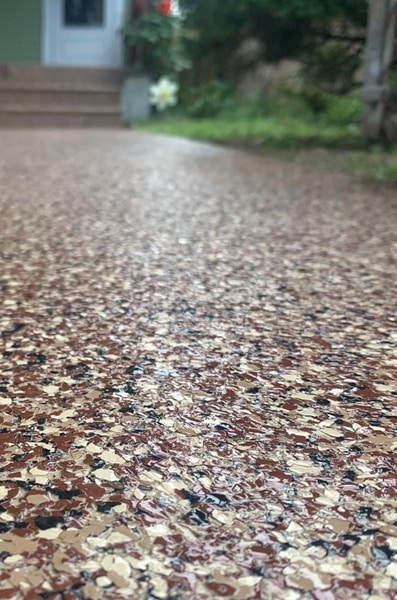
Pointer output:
x,y
198,374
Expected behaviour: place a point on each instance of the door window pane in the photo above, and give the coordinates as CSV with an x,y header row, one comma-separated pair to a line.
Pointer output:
x,y
83,13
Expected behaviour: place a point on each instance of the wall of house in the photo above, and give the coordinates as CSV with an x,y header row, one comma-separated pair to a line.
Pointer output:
x,y
20,31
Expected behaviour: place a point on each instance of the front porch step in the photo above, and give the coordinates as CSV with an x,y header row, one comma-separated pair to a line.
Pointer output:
x,y
37,96
41,75
58,116
26,94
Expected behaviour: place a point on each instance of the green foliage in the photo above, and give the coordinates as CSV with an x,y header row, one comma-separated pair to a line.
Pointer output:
x,y
219,99
331,108
154,45
315,99
286,28
286,121
268,132
206,101
332,66
296,140
345,110
393,79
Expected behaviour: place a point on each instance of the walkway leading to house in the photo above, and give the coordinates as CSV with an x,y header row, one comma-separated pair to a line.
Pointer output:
x,y
197,378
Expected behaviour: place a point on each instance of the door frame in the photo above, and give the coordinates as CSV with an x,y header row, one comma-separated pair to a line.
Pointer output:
x,y
48,35
47,43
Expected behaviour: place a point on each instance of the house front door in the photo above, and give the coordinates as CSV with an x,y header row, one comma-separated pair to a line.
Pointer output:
x,y
84,32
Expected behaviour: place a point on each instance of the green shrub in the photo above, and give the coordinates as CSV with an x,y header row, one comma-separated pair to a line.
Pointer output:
x,y
153,45
315,99
331,108
393,79
285,106
257,105
268,132
343,110
332,67
218,99
206,101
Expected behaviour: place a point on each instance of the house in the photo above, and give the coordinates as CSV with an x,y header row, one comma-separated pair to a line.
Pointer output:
x,y
61,62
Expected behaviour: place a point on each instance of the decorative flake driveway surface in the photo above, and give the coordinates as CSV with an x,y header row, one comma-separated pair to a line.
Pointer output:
x,y
198,374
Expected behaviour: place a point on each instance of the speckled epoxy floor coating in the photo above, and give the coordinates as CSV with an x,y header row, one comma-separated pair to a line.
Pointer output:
x,y
197,375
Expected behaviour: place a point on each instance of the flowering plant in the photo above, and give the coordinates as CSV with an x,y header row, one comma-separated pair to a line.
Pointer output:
x,y
165,7
163,94
153,41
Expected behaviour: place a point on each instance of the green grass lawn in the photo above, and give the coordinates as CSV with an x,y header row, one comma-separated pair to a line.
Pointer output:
x,y
306,141
271,131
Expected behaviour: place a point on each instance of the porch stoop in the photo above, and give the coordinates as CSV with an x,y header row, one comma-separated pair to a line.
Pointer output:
x,y
40,96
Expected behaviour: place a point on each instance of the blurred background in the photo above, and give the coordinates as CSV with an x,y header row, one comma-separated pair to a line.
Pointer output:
x,y
307,80
285,76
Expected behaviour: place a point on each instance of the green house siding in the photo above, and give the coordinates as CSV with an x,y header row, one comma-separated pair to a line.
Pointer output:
x,y
20,31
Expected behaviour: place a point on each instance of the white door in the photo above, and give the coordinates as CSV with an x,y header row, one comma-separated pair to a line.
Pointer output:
x,y
84,32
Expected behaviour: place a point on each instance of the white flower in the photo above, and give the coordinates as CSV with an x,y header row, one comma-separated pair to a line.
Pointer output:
x,y
163,93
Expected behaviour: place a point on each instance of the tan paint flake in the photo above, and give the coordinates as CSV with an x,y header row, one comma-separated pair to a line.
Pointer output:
x,y
66,414
111,457
118,538
294,527
103,581
119,582
150,477
93,448
391,569
117,564
158,530
97,542
41,476
51,390
334,565
16,545
11,560
303,396
93,394
329,498
270,591
170,486
28,578
298,432
225,517
392,541
303,467
50,430
187,430
307,580
330,432
105,475
91,591
245,587
160,586
6,517
338,525
50,534
61,562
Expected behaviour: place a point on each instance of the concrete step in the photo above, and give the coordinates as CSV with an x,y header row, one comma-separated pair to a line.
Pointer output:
x,y
37,96
61,75
32,94
12,116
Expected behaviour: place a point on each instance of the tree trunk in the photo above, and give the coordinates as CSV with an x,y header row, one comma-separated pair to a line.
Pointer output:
x,y
377,117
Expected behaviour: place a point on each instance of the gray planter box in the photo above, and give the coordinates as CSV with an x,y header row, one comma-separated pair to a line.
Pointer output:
x,y
135,99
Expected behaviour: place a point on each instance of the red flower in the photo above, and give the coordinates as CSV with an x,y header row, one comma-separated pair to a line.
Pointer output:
x,y
165,7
